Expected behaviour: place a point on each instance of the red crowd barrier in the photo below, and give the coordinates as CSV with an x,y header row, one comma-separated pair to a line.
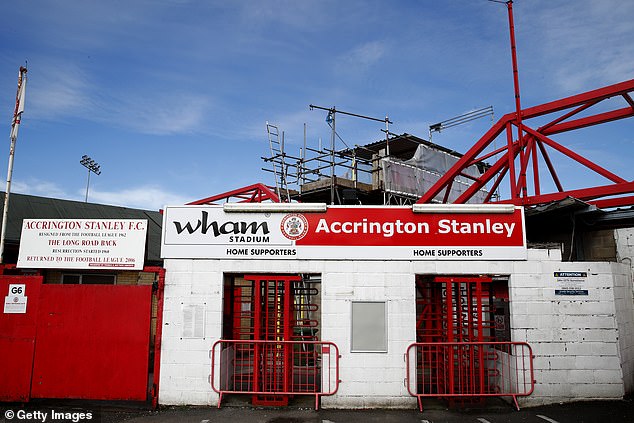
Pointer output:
x,y
275,368
469,369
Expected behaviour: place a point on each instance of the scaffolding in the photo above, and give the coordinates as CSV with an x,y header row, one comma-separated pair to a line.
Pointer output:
x,y
396,170
278,161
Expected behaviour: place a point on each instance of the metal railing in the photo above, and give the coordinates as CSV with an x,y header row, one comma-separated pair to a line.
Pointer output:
x,y
274,368
459,370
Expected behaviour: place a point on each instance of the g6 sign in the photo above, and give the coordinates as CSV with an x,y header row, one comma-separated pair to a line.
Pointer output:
x,y
17,289
15,302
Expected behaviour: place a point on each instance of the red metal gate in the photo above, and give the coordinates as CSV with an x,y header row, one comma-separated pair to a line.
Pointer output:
x,y
272,321
504,369
314,371
275,314
76,341
453,311
92,342
17,338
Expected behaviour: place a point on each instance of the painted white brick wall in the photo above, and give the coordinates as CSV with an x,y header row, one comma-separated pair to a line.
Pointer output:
x,y
575,339
624,294
578,341
185,362
370,379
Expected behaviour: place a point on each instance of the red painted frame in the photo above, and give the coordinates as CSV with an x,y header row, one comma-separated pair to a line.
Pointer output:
x,y
158,335
256,193
534,141
272,321
510,364
327,366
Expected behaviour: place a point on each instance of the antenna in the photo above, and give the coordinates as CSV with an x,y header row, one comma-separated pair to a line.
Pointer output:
x,y
460,119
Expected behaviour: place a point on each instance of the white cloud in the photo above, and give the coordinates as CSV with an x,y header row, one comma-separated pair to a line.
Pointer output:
x,y
149,197
41,189
299,14
56,91
362,57
582,45
62,92
143,197
165,114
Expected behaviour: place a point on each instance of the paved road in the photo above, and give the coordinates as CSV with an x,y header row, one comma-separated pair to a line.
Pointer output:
x,y
582,412
587,412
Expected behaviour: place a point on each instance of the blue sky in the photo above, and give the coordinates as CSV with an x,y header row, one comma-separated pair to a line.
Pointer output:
x,y
171,97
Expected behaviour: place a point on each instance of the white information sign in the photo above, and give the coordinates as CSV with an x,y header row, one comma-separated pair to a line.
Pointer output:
x,y
571,283
83,244
15,301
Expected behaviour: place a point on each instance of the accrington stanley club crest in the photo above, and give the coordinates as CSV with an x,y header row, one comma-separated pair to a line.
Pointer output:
x,y
294,226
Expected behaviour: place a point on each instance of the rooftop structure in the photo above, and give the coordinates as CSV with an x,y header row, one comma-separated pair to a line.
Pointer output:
x,y
396,170
33,207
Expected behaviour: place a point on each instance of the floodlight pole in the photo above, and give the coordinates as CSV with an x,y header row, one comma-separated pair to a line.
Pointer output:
x,y
521,186
517,189
87,185
92,166
15,125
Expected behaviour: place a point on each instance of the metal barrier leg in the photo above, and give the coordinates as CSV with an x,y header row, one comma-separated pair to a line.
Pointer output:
x,y
420,403
220,400
517,406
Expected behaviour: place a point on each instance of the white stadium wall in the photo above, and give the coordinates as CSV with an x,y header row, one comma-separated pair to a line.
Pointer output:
x,y
582,343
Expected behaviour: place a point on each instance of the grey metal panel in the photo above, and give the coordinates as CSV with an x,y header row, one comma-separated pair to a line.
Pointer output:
x,y
369,326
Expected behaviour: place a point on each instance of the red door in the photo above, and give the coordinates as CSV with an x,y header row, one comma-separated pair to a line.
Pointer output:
x,y
17,335
92,342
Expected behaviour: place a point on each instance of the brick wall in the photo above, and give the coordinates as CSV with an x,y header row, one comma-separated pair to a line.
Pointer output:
x,y
578,340
575,338
624,298
599,245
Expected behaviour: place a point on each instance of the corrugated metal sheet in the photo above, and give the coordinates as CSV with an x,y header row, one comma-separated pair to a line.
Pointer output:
x,y
31,207
402,146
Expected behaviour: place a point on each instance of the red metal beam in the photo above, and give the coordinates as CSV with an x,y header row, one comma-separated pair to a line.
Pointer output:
x,y
465,160
613,202
590,121
531,142
549,163
501,166
620,89
256,193
580,159
583,194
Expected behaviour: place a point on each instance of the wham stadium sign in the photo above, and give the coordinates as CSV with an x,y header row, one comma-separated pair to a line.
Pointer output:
x,y
343,232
